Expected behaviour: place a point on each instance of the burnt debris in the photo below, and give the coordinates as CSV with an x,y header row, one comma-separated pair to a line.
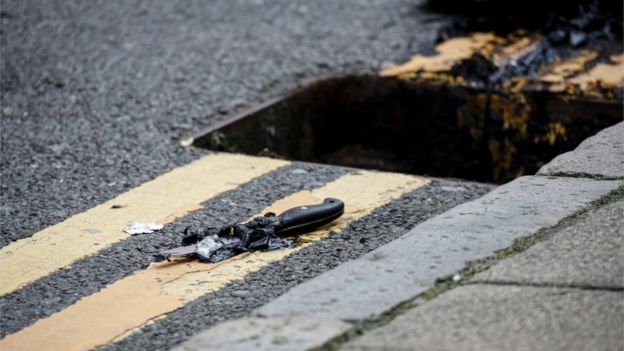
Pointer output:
x,y
575,22
580,24
268,232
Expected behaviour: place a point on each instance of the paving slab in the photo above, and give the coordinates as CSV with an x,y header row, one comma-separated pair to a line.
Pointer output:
x,y
488,317
600,155
280,333
589,253
402,269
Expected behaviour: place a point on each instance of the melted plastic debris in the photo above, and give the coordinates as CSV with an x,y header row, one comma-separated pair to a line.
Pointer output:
x,y
267,232
493,42
214,245
135,228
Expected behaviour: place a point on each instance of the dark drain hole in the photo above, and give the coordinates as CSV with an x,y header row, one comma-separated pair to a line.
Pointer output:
x,y
419,128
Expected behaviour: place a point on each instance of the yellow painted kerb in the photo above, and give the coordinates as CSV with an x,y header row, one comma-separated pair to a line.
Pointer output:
x,y
161,200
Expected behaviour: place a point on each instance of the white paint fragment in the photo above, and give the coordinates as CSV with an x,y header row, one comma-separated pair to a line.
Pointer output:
x,y
134,228
453,188
298,171
187,142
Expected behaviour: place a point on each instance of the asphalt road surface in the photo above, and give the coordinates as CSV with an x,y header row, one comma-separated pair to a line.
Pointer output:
x,y
97,95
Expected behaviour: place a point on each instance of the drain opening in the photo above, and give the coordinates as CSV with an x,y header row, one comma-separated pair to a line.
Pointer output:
x,y
415,127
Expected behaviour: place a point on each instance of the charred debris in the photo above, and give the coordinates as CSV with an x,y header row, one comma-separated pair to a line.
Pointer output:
x,y
267,232
566,27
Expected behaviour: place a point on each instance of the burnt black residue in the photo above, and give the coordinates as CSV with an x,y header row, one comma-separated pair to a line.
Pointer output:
x,y
267,232
481,131
565,26
527,65
476,68
573,23
257,234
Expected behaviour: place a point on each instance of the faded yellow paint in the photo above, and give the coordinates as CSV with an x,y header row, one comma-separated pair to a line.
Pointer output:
x,y
554,131
450,52
608,75
569,76
514,111
572,77
134,330
502,154
170,196
511,47
123,306
471,115
512,100
574,64
557,75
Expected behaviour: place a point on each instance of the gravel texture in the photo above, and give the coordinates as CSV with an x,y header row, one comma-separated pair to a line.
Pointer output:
x,y
239,298
88,275
97,95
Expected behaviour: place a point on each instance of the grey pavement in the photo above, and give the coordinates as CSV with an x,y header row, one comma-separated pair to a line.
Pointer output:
x,y
366,287
601,155
486,317
524,310
586,253
279,334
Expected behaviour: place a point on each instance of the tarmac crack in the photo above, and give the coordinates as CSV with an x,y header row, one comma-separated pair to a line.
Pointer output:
x,y
581,175
547,285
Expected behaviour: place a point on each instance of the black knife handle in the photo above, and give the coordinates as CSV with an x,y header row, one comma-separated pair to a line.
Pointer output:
x,y
302,219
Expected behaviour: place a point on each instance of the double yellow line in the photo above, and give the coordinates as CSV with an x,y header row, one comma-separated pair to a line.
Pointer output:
x,y
161,200
126,305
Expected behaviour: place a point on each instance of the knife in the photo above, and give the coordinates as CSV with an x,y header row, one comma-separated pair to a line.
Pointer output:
x,y
263,232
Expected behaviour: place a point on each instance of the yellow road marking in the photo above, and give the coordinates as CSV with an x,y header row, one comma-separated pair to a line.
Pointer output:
x,y
161,288
450,52
570,75
605,74
572,65
454,50
438,67
162,200
557,74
